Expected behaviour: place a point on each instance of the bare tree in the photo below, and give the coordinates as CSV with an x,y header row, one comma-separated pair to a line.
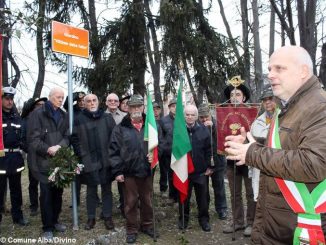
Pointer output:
x,y
245,39
6,28
287,26
307,27
153,54
257,49
272,31
322,71
39,47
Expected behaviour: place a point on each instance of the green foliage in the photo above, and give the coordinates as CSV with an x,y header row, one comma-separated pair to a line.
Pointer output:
x,y
67,162
123,50
188,36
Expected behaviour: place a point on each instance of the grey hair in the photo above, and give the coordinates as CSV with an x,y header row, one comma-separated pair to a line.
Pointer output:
x,y
55,90
88,95
305,59
191,107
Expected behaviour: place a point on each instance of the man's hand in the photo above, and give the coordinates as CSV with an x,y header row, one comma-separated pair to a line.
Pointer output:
x,y
209,172
53,150
120,178
237,151
241,138
208,123
150,157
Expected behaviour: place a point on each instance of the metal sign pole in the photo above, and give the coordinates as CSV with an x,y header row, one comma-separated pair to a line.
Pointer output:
x,y
71,120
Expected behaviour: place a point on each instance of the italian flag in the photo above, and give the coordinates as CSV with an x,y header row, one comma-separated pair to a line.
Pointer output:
x,y
151,134
181,161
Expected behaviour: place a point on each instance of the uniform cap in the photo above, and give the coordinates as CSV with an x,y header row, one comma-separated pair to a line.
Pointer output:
x,y
8,91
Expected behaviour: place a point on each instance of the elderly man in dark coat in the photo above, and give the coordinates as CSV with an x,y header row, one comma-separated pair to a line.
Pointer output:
x,y
90,139
131,165
47,132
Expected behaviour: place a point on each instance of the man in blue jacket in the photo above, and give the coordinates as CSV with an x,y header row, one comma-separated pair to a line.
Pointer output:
x,y
201,155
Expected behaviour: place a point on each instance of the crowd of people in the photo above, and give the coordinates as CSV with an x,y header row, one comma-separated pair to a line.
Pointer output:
x,y
286,144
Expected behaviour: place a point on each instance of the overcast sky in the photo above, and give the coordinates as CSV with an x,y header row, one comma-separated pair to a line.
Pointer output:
x,y
25,49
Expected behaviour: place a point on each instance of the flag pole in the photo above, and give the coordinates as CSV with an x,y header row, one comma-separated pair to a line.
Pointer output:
x,y
152,170
235,84
153,207
183,217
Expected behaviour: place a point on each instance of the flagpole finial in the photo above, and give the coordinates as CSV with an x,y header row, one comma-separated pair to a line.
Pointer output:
x,y
149,82
180,65
236,81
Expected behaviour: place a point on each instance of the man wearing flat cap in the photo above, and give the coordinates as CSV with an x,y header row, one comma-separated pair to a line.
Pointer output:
x,y
12,164
239,96
219,162
157,111
167,123
131,165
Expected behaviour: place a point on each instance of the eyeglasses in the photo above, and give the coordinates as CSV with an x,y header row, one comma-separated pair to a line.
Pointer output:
x,y
113,101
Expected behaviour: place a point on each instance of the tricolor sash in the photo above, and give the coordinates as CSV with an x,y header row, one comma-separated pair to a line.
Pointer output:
x,y
307,205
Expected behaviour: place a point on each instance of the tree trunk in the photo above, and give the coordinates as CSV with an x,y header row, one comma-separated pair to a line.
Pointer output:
x,y
3,28
153,55
282,26
15,79
257,57
282,17
245,40
39,46
192,89
306,22
95,48
272,32
228,30
139,61
322,71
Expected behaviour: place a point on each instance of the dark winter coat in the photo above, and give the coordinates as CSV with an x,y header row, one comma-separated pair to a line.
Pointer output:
x,y
90,140
128,152
302,129
166,125
43,132
201,150
13,140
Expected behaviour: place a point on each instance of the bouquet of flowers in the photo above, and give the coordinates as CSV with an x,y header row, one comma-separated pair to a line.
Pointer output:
x,y
63,167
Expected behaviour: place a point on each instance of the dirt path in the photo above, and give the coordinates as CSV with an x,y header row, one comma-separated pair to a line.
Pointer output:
x,y
167,217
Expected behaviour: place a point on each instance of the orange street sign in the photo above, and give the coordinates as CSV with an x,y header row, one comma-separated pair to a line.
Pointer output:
x,y
69,40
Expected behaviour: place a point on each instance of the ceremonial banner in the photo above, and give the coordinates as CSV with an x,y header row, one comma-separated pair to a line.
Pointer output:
x,y
229,120
2,153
